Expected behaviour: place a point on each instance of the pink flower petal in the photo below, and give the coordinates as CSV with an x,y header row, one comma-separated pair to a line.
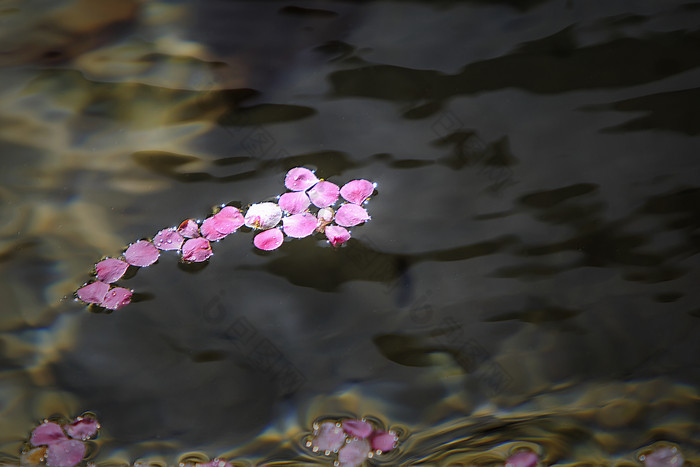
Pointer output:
x,y
229,219
351,214
294,202
65,453
116,298
82,428
522,459
337,235
209,230
354,453
357,428
357,191
110,270
328,437
221,224
47,433
263,216
168,239
215,463
141,253
196,250
300,179
299,225
94,292
664,457
189,229
324,194
383,441
268,239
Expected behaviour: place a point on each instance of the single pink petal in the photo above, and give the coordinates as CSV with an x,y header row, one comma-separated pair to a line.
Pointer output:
x,y
383,441
354,453
116,298
168,239
196,250
664,457
47,433
189,229
337,235
83,428
328,437
324,194
209,230
357,191
522,459
229,219
357,428
65,453
294,202
263,216
299,225
94,292
351,214
216,462
268,239
300,179
142,253
110,270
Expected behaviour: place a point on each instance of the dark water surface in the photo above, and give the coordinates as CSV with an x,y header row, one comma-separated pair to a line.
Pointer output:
x,y
530,276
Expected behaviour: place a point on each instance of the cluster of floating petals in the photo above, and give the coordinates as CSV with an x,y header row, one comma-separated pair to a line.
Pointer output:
x,y
60,445
353,441
192,239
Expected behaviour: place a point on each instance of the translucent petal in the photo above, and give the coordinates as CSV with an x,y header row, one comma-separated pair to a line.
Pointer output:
x,y
328,437
189,229
300,179
263,216
354,453
47,433
337,235
324,194
294,202
383,441
299,225
110,270
116,298
358,428
94,292
357,191
142,253
65,453
269,239
349,215
196,250
82,428
169,239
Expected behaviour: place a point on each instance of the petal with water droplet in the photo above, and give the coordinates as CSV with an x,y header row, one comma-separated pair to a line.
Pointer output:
x,y
168,239
349,215
324,194
268,239
94,292
142,253
300,179
299,225
357,191
116,298
196,250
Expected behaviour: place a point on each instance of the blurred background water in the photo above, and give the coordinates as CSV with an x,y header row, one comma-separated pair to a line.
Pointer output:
x,y
529,276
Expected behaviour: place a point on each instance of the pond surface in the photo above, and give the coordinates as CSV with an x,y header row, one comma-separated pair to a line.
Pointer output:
x,y
529,277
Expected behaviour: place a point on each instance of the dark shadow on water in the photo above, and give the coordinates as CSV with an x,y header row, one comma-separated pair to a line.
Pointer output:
x,y
677,111
552,65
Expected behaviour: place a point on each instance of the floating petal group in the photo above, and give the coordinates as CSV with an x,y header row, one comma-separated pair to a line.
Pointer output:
x,y
304,210
60,444
352,441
